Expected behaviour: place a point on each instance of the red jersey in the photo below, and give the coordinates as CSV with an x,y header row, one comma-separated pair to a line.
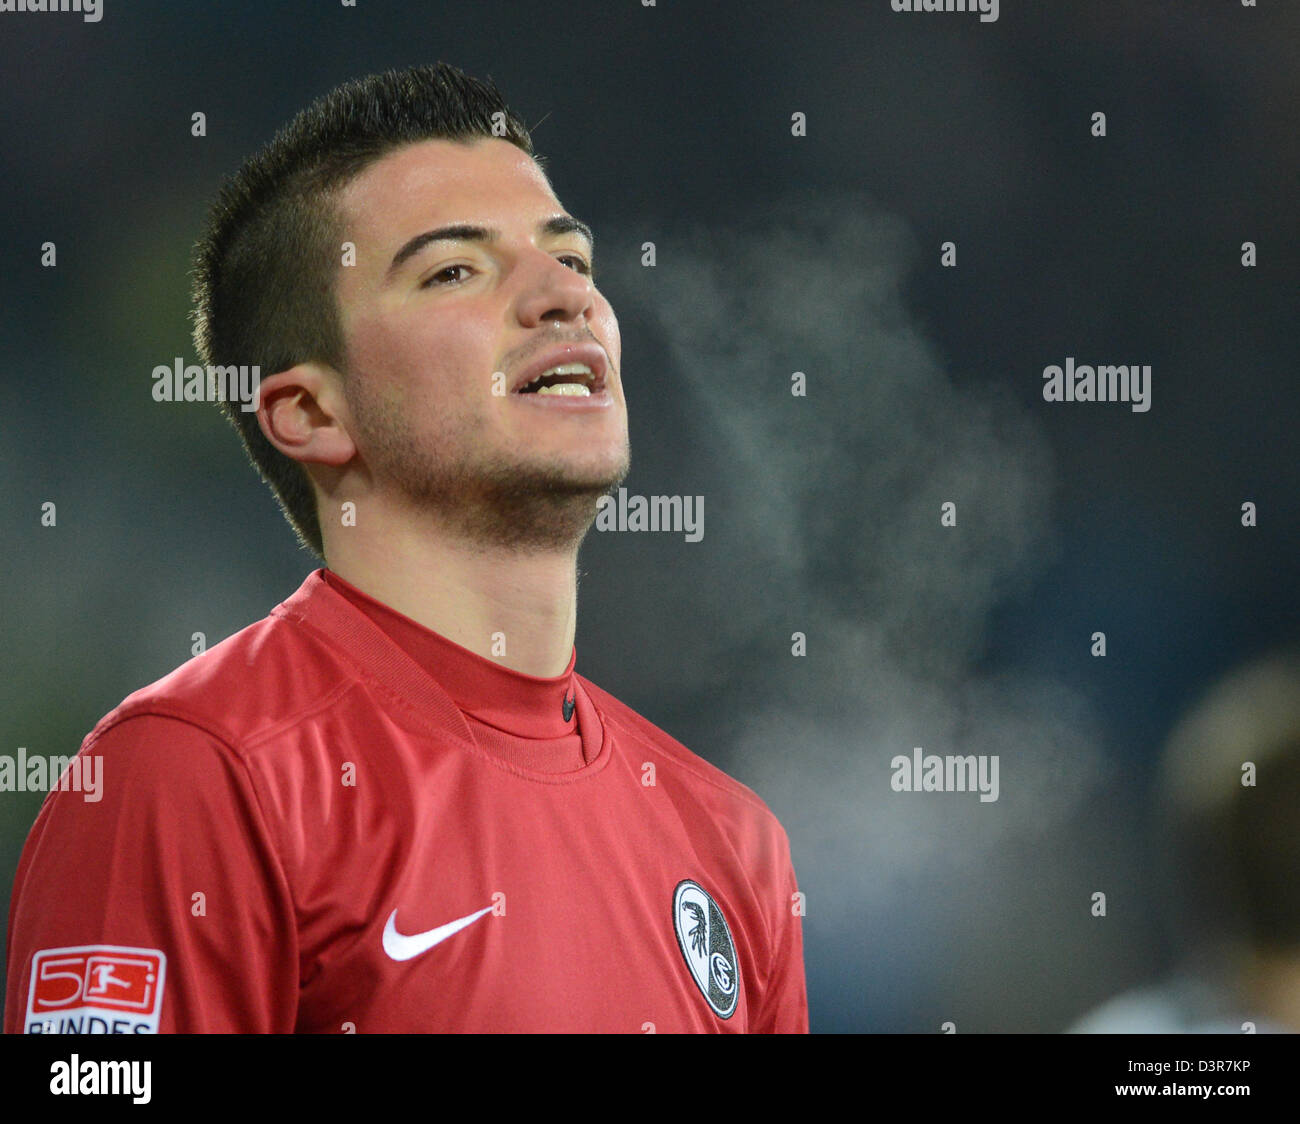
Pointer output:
x,y
337,820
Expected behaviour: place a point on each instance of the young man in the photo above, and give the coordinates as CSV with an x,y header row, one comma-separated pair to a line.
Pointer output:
x,y
392,805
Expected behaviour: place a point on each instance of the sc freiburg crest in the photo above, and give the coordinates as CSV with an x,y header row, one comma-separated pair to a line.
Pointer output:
x,y
705,942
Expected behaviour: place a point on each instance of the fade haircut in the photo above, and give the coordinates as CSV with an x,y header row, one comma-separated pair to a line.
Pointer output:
x,y
266,264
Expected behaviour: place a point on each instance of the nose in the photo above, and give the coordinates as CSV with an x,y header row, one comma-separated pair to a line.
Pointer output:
x,y
555,292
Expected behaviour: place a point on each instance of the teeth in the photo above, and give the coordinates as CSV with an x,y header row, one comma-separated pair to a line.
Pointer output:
x,y
562,369
566,389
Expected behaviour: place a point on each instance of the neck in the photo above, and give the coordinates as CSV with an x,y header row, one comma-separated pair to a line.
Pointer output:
x,y
513,605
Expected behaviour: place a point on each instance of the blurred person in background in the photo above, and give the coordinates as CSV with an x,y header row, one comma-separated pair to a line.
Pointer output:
x,y
1230,782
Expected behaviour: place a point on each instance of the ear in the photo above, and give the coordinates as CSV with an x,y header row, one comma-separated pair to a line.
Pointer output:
x,y
303,413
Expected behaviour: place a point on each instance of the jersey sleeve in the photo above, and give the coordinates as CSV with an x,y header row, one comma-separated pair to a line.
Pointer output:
x,y
784,1007
155,902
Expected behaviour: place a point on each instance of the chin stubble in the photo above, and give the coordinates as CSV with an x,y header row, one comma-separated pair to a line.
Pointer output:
x,y
499,504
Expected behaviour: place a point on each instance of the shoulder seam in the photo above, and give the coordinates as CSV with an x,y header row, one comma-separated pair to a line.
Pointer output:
x,y
227,744
740,789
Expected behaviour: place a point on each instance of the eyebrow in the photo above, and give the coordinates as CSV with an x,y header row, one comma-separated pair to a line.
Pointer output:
x,y
467,232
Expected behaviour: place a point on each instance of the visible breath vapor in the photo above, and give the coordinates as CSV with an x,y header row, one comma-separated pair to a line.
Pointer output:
x,y
826,519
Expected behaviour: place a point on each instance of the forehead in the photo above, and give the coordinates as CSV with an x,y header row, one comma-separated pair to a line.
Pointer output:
x,y
440,181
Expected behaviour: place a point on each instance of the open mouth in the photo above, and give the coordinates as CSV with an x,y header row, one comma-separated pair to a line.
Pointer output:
x,y
568,380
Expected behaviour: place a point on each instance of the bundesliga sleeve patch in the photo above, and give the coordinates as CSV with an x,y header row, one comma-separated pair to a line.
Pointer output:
x,y
96,989
705,941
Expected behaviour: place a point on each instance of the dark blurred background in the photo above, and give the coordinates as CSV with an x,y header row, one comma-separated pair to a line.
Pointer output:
x,y
776,253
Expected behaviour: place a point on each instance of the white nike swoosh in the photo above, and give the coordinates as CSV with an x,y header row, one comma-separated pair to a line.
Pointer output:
x,y
400,947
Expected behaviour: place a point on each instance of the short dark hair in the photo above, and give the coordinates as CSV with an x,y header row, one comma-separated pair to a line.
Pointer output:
x,y
266,264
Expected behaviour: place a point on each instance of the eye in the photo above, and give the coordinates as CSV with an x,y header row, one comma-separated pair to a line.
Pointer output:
x,y
433,279
582,266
